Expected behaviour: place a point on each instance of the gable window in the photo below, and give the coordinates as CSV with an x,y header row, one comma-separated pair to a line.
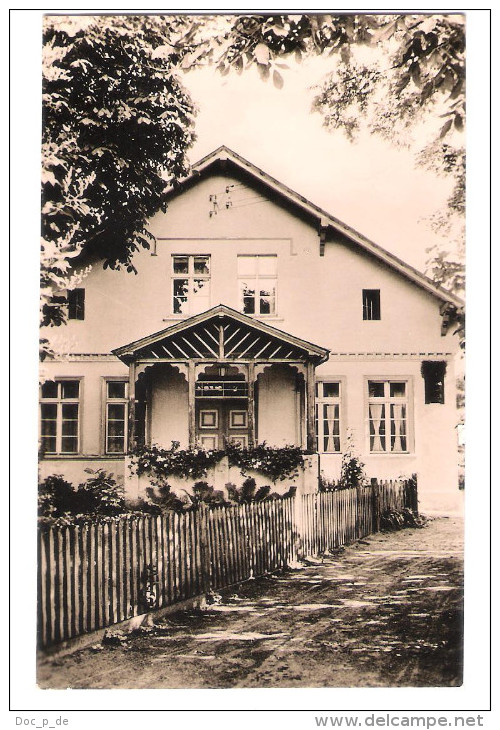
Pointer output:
x,y
371,304
257,281
328,395
388,416
190,284
76,304
116,416
60,416
433,374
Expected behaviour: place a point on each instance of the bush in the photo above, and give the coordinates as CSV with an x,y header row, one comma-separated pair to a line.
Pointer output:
x,y
392,520
352,473
56,497
100,494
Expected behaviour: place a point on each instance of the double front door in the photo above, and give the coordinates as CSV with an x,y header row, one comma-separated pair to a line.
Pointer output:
x,y
219,421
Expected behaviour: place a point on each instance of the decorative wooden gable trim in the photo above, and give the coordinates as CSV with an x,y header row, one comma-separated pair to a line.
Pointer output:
x,y
222,334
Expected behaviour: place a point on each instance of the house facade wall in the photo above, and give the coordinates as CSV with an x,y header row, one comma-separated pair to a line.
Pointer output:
x,y
319,299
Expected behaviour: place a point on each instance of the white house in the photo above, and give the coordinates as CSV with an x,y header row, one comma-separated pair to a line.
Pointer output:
x,y
257,317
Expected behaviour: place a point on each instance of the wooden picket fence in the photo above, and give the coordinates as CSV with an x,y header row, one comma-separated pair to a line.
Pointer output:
x,y
95,575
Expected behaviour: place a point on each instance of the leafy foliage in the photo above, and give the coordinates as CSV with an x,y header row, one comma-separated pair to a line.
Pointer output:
x,y
352,472
276,463
161,463
99,497
392,520
116,125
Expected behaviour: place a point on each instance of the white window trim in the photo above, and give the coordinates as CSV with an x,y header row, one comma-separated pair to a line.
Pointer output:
x,y
341,400
259,277
410,419
190,276
104,418
59,401
244,425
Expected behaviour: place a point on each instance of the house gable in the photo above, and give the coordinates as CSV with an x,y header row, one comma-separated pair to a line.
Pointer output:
x,y
330,229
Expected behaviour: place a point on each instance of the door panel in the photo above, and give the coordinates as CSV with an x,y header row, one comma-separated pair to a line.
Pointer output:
x,y
221,420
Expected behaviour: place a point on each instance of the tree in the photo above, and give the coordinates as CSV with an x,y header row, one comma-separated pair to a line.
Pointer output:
x,y
116,127
391,74
117,121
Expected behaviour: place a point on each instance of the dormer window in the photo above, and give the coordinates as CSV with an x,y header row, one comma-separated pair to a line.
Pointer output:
x,y
257,279
371,304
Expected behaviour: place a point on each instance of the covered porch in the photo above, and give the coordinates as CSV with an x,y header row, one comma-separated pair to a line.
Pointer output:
x,y
221,377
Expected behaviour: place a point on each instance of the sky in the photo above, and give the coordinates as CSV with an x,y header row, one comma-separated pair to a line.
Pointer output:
x,y
369,184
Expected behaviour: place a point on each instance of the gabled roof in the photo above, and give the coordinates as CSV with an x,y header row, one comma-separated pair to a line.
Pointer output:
x,y
221,333
226,159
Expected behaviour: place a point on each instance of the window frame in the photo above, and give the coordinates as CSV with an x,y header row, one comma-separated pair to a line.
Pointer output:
x,y
257,277
387,400
321,400
190,276
368,306
59,401
76,304
106,401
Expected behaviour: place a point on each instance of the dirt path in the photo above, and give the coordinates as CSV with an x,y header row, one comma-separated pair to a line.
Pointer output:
x,y
386,611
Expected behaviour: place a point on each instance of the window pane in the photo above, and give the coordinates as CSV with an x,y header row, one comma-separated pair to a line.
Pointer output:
x,y
398,390
377,427
69,445
49,419
375,390
181,264
202,265
70,411
247,265
116,411
116,445
117,389
181,288
267,265
48,444
116,428
70,388
267,305
49,389
331,390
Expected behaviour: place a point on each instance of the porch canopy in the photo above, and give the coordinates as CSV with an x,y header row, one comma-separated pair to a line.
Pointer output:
x,y
222,336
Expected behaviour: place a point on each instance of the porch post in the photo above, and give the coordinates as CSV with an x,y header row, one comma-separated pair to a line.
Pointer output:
x,y
131,407
251,405
191,404
310,416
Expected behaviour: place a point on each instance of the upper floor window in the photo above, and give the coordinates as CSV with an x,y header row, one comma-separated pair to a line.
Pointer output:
x,y
433,373
257,279
190,284
76,304
328,395
60,416
116,416
388,416
371,303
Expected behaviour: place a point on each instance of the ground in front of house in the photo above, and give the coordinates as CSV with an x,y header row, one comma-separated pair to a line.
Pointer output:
x,y
385,612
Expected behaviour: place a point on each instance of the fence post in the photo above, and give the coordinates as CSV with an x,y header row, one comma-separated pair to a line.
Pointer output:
x,y
376,505
206,578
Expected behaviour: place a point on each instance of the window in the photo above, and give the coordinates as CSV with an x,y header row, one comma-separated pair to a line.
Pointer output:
x,y
433,374
116,416
388,416
257,279
59,416
328,416
371,303
190,284
76,304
